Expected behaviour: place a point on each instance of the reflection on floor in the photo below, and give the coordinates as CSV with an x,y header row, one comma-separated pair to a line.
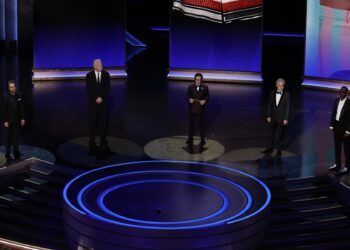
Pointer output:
x,y
146,115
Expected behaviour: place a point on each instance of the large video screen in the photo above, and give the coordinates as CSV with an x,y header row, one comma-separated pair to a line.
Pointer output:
x,y
327,53
71,34
216,35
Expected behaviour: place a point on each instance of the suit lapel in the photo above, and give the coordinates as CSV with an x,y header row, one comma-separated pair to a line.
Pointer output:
x,y
346,104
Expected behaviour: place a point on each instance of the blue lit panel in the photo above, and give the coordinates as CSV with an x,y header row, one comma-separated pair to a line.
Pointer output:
x,y
205,45
88,31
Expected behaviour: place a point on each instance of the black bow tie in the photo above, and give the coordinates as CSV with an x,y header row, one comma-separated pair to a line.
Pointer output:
x,y
279,93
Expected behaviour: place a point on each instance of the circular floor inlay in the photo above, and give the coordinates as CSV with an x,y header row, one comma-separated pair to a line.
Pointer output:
x,y
175,148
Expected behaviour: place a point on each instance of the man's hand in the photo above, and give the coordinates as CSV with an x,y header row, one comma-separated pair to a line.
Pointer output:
x,y
23,122
268,119
191,100
285,122
99,100
6,124
202,102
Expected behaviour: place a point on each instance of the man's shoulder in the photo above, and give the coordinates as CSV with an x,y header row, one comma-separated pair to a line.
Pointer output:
x,y
105,72
90,73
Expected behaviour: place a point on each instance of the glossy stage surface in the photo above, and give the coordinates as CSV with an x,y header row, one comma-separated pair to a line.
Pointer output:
x,y
165,205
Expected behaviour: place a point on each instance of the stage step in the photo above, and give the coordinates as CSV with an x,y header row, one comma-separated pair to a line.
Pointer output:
x,y
31,204
308,213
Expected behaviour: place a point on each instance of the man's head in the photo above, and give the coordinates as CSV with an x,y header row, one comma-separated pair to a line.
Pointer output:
x,y
198,78
343,92
11,86
98,65
280,84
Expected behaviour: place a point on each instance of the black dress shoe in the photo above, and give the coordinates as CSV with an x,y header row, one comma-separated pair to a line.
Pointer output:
x,y
190,148
335,167
8,158
266,151
343,171
203,142
17,155
278,154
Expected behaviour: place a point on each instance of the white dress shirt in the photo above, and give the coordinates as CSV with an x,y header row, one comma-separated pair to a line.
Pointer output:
x,y
98,76
339,110
278,98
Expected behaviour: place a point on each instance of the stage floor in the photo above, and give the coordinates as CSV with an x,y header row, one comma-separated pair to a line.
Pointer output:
x,y
151,118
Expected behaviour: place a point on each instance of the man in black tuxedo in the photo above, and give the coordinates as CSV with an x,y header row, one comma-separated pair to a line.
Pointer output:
x,y
278,111
340,126
13,117
98,84
197,97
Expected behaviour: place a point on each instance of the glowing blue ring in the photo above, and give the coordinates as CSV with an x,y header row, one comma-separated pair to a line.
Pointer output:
x,y
98,217
108,211
262,208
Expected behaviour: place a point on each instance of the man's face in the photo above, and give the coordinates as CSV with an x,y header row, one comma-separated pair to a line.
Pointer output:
x,y
12,88
280,86
98,66
198,80
343,93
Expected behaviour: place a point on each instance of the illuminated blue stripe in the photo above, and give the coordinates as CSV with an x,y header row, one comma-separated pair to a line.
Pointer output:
x,y
223,208
264,206
90,213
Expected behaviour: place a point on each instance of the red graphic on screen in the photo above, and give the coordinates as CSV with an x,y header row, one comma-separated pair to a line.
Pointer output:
x,y
221,11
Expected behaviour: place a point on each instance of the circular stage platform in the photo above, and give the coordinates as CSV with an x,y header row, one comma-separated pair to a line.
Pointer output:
x,y
166,205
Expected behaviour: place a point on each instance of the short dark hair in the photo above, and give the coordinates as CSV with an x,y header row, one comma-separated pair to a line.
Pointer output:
x,y
344,87
200,75
10,82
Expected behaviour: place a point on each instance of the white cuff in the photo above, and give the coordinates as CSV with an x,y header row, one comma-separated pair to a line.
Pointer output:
x,y
330,127
347,132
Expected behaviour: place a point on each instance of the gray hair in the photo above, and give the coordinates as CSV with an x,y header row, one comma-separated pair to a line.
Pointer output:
x,y
281,80
97,61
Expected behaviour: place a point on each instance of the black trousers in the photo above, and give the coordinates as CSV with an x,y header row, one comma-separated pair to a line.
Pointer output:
x,y
98,122
339,141
12,138
193,117
276,136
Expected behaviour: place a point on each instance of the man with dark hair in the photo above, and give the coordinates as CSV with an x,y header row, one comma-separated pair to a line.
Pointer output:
x,y
278,110
197,96
98,84
340,126
13,117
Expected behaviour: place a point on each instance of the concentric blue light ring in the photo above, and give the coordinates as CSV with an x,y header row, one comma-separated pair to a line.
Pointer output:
x,y
98,217
103,207
262,208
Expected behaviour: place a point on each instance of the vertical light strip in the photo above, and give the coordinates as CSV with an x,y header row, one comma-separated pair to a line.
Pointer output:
x,y
2,20
11,20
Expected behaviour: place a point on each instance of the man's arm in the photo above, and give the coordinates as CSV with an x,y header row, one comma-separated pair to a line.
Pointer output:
x,y
287,112
206,95
21,107
5,113
107,86
90,88
269,105
334,112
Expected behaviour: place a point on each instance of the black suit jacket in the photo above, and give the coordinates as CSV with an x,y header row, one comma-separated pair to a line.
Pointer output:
x,y
202,94
95,89
280,112
13,109
344,120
